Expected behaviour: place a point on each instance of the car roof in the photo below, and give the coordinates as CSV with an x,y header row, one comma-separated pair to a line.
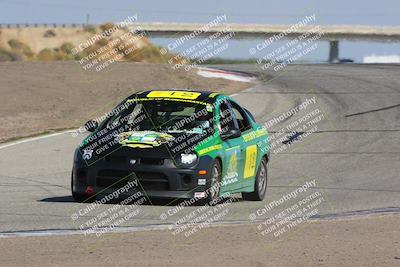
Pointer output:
x,y
205,96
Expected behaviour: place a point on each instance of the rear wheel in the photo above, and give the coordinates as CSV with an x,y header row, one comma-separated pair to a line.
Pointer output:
x,y
260,183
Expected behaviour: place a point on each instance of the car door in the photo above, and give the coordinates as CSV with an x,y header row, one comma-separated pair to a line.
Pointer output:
x,y
249,146
232,166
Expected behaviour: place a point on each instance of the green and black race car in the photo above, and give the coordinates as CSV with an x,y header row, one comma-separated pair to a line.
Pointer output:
x,y
174,144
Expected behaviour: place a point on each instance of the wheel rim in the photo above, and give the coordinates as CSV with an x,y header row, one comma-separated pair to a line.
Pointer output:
x,y
262,178
214,190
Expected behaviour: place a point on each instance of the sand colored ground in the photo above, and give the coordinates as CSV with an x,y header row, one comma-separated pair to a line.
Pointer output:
x,y
367,241
48,37
39,97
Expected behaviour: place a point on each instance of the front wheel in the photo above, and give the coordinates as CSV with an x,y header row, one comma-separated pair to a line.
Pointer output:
x,y
79,197
260,183
214,184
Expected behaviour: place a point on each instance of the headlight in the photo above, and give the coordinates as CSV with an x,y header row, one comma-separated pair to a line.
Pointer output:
x,y
187,160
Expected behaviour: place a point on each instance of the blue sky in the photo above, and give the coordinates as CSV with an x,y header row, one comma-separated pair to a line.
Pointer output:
x,y
250,11
336,12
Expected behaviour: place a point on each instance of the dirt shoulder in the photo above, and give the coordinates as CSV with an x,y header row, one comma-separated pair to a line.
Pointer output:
x,y
362,241
39,97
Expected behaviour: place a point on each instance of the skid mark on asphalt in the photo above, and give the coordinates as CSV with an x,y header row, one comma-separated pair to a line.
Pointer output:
x,y
372,110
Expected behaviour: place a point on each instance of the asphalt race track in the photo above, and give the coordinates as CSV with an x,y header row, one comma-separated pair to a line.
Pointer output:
x,y
354,154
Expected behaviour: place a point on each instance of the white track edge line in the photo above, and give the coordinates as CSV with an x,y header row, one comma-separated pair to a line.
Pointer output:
x,y
31,139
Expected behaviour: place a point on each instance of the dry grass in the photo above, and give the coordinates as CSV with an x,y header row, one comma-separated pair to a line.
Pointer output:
x,y
52,49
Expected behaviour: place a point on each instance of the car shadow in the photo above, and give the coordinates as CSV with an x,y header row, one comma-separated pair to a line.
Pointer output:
x,y
148,202
63,199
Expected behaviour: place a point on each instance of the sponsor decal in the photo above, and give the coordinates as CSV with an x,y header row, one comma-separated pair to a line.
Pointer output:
x,y
87,154
209,149
232,173
144,139
201,181
250,163
166,99
255,134
199,194
174,94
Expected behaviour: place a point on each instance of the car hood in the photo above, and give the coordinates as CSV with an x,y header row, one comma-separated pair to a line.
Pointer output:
x,y
149,144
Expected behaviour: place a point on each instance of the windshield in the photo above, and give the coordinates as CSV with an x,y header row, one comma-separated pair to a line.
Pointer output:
x,y
164,116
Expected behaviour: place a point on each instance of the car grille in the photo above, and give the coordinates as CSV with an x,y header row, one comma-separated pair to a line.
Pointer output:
x,y
116,159
114,178
153,180
118,178
151,161
143,161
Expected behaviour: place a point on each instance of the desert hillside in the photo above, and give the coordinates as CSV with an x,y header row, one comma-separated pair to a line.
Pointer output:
x,y
48,43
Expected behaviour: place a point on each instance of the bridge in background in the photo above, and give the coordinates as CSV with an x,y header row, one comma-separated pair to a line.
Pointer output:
x,y
332,34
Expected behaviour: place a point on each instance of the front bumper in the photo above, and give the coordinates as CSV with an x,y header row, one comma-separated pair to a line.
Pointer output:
x,y
156,178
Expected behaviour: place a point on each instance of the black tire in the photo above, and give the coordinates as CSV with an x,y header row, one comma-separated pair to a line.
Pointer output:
x,y
80,197
260,183
214,183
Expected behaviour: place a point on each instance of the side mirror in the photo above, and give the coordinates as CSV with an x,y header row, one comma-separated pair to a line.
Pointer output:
x,y
232,133
91,125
